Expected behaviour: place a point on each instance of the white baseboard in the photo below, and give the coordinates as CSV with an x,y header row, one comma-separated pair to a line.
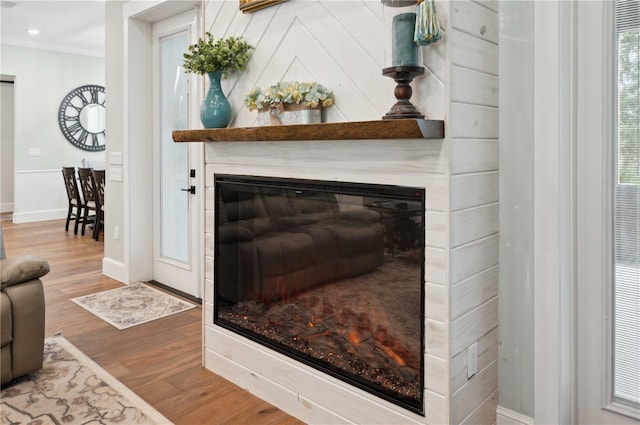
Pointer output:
x,y
33,216
114,269
510,417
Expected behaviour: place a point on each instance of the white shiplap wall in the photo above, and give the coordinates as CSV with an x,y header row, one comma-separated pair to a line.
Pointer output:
x,y
473,125
339,44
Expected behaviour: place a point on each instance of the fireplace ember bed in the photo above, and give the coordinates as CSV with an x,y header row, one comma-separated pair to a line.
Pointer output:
x,y
328,273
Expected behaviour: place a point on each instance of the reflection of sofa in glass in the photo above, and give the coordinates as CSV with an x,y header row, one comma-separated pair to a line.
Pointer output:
x,y
274,243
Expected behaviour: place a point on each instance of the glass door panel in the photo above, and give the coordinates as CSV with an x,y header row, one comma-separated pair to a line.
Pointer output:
x,y
174,157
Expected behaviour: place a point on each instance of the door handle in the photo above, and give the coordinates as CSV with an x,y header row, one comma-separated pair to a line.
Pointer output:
x,y
191,190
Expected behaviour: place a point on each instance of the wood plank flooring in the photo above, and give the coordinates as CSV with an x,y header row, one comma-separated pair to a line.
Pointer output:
x,y
161,361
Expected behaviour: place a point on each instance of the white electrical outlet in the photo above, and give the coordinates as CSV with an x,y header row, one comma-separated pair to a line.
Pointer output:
x,y
116,232
472,360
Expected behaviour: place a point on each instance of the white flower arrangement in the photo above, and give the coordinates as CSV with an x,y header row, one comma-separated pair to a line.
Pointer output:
x,y
307,94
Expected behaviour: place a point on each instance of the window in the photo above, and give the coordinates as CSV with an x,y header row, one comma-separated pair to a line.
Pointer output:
x,y
626,297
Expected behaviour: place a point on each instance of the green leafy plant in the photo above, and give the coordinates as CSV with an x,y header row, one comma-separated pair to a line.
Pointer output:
x,y
226,54
310,94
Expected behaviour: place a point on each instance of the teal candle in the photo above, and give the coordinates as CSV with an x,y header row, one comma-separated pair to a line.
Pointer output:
x,y
404,49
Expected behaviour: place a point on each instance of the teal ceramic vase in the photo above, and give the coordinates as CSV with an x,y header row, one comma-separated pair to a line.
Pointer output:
x,y
215,111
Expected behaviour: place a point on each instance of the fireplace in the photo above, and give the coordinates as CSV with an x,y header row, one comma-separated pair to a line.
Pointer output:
x,y
327,273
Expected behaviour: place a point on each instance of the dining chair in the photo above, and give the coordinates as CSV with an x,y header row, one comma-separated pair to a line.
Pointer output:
x,y
76,205
89,194
99,182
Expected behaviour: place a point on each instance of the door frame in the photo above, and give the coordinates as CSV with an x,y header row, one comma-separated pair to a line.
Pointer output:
x,y
138,136
554,212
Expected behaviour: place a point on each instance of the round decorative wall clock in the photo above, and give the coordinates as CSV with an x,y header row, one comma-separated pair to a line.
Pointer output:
x,y
82,118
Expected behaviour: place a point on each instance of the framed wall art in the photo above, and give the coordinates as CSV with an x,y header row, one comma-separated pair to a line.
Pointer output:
x,y
247,6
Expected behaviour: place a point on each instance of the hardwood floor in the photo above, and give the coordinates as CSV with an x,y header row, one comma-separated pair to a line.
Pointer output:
x,y
161,361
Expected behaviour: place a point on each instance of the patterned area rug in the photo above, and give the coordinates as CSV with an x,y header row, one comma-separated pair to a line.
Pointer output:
x,y
132,305
72,389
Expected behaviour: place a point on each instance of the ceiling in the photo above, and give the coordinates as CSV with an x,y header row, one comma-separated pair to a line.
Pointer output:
x,y
65,26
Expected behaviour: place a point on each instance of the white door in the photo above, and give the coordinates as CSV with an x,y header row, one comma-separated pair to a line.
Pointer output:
x,y
177,167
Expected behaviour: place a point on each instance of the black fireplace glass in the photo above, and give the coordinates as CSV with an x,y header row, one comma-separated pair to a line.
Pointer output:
x,y
329,273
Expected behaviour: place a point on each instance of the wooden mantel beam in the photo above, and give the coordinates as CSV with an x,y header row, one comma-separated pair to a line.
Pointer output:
x,y
359,130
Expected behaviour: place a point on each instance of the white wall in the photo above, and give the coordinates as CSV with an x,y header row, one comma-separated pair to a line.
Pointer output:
x,y
516,206
539,103
6,145
336,43
114,193
42,79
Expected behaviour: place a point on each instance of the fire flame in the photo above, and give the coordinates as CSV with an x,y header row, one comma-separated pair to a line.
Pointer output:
x,y
354,338
393,355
